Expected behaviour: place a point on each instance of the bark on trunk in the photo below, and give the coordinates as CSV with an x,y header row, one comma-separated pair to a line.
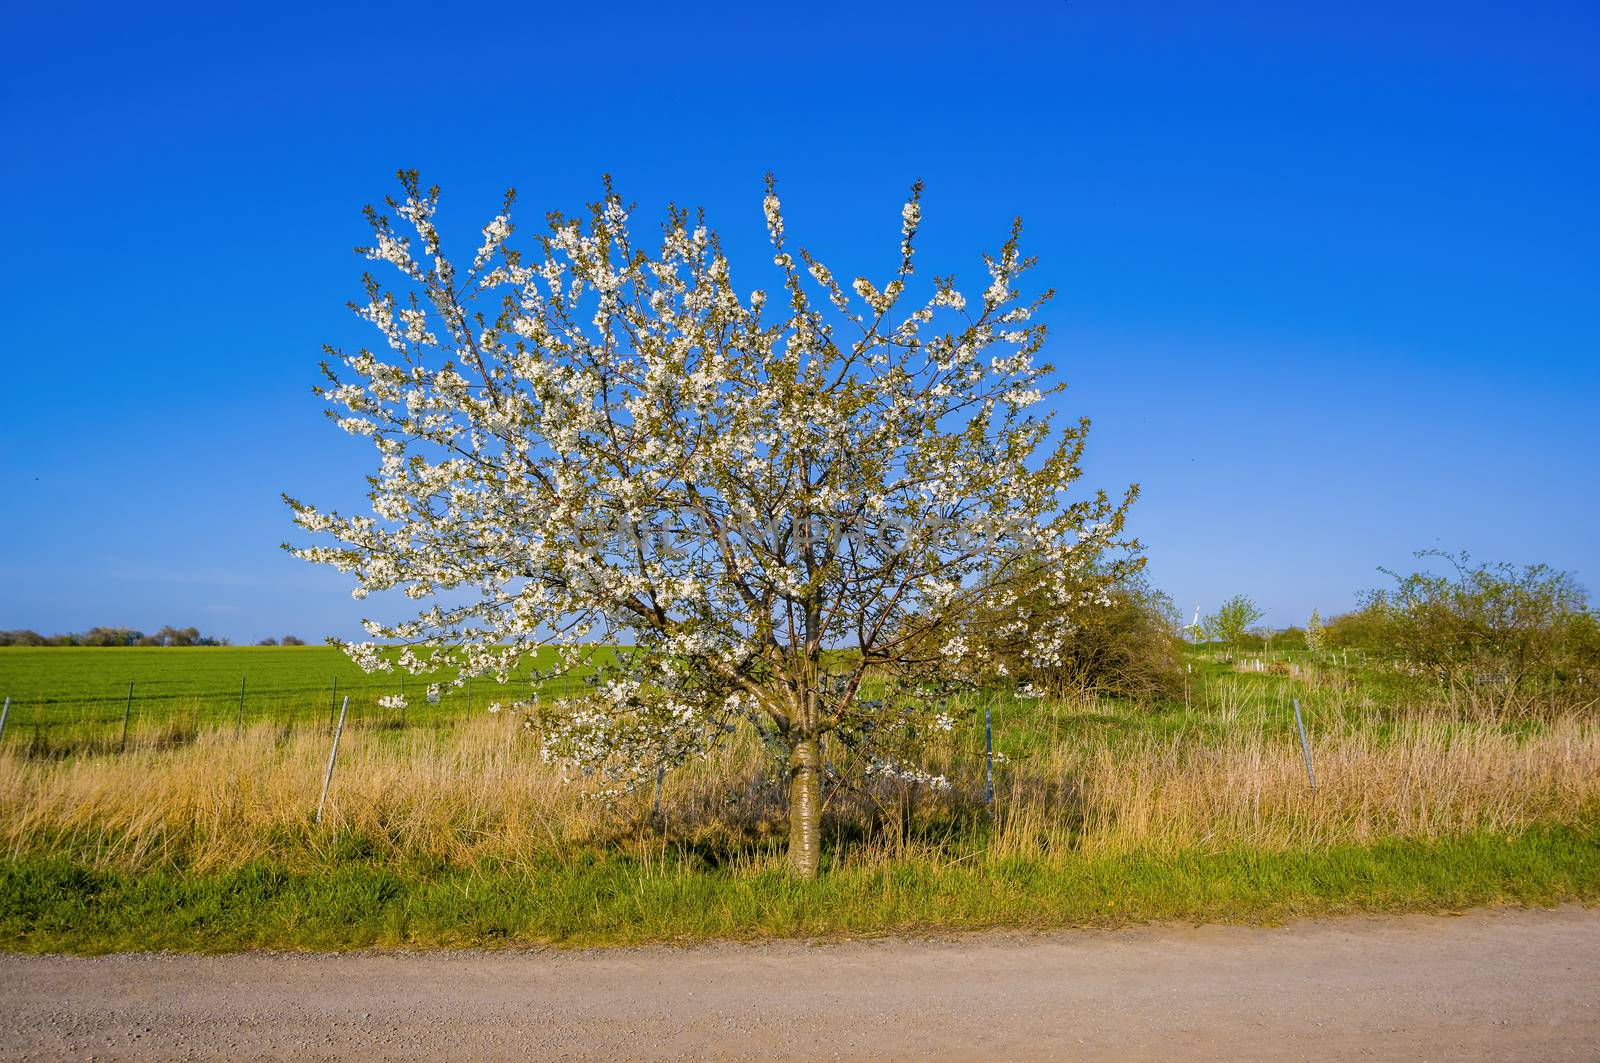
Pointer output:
x,y
805,808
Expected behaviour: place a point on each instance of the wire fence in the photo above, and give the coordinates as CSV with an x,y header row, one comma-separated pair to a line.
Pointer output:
x,y
123,714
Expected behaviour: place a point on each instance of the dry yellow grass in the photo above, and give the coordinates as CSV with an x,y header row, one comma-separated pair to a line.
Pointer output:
x,y
477,794
1428,779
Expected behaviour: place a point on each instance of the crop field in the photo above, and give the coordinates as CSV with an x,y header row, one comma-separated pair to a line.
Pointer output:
x,y
69,699
69,696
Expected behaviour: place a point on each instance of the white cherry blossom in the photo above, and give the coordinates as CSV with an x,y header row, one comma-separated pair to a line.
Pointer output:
x,y
763,505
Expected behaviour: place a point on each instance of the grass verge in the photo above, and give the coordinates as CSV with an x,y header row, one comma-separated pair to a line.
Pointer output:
x,y
53,904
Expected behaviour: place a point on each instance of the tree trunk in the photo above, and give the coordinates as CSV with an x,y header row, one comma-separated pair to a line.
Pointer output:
x,y
805,808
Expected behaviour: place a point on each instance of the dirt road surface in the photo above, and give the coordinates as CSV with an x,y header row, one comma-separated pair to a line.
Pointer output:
x,y
1519,985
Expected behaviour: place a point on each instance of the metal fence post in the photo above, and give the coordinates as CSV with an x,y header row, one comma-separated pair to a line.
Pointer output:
x,y
1305,745
239,729
333,754
127,710
988,758
3,714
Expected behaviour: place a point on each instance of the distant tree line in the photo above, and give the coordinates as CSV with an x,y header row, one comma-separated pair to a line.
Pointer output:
x,y
127,636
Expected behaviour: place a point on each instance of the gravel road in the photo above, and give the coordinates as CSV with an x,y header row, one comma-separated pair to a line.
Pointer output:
x,y
1486,985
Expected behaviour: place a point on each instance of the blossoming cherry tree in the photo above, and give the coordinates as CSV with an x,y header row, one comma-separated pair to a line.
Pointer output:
x,y
596,456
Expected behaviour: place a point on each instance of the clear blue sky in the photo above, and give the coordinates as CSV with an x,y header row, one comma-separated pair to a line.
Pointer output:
x,y
1328,274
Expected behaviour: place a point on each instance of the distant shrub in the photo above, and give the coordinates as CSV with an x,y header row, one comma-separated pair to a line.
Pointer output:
x,y
1289,638
291,640
1270,638
1127,647
181,636
1316,634
172,636
112,636
1231,623
109,636
1508,636
1359,629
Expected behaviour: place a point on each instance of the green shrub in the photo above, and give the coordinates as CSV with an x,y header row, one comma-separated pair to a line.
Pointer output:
x,y
1231,623
1510,637
1125,648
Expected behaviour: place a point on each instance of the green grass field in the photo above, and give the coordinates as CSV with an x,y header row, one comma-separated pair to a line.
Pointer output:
x,y
66,695
71,694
